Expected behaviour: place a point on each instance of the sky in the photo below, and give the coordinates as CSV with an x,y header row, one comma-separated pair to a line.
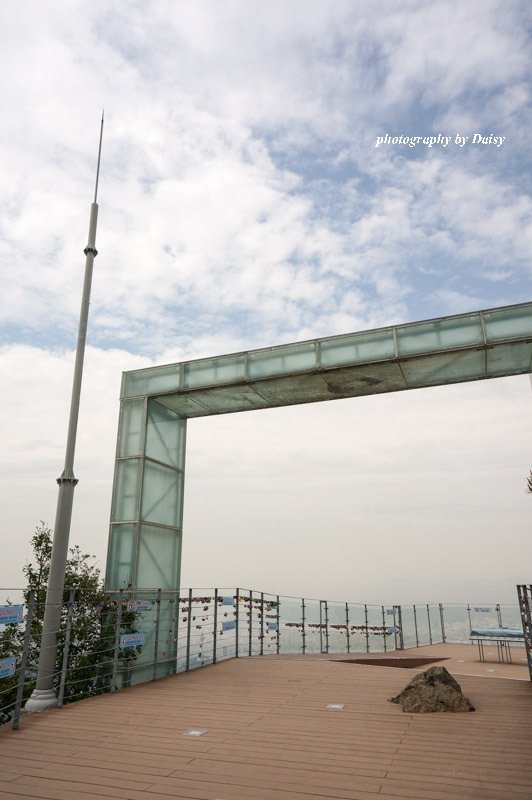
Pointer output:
x,y
271,172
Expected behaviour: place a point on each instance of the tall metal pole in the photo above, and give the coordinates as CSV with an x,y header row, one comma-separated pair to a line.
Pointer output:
x,y
43,695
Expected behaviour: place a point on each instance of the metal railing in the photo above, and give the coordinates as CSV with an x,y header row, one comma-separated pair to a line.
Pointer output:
x,y
110,641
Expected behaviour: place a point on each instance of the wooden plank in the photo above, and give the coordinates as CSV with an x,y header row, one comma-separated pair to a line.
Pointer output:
x,y
270,737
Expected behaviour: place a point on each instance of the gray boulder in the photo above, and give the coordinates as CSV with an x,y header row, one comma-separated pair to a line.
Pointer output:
x,y
433,690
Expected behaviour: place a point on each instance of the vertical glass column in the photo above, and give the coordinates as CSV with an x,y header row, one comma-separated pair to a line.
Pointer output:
x,y
147,508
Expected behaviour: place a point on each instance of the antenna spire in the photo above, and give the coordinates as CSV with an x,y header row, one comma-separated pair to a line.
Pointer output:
x,y
98,165
43,695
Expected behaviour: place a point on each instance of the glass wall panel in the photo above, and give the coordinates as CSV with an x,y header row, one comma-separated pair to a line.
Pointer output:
x,y
507,358
121,556
165,437
162,495
439,369
441,334
282,360
126,490
212,371
150,381
158,559
508,323
357,348
131,431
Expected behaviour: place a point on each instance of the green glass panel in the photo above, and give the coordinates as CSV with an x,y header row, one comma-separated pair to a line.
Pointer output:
x,y
131,431
508,323
151,380
222,399
444,368
439,334
165,436
125,500
514,358
162,495
213,371
282,360
158,559
357,348
121,566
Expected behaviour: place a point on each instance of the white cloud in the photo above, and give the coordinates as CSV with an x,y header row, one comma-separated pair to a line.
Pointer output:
x,y
242,204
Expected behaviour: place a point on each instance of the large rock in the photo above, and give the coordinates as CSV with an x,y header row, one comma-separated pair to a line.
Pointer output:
x,y
433,690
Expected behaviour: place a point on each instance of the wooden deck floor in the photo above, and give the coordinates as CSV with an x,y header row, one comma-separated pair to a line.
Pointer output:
x,y
270,736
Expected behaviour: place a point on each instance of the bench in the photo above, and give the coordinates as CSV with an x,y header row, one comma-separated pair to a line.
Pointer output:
x,y
502,637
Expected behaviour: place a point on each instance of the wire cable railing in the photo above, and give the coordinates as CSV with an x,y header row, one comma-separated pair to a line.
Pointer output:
x,y
107,642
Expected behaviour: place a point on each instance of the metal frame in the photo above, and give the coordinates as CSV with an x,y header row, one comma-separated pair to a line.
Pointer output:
x,y
453,349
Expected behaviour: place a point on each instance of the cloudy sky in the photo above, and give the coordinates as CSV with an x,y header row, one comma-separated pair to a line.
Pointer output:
x,y
244,203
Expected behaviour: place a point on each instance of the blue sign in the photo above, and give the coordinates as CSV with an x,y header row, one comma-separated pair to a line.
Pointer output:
x,y
131,640
392,629
272,626
7,666
10,614
482,610
228,601
229,626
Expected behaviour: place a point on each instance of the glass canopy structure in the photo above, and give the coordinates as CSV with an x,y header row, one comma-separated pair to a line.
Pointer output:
x,y
147,509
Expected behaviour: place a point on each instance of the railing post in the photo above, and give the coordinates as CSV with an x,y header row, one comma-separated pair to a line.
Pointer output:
x,y
189,629
442,621
469,617
262,623
327,627
250,621
114,684
278,626
215,632
384,630
499,614
347,626
66,648
177,612
23,661
366,624
156,642
430,629
415,624
303,625
237,619
401,645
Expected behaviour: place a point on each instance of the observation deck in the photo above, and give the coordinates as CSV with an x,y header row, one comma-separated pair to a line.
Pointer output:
x,y
267,734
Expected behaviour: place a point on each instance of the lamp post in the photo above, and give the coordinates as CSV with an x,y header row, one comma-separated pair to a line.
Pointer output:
x,y
44,696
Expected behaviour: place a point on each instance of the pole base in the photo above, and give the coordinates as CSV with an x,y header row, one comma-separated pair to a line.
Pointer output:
x,y
40,700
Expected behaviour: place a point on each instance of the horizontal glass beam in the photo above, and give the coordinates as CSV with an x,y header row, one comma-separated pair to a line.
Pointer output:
x,y
474,346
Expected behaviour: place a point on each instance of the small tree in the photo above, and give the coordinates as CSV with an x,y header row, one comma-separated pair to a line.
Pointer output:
x,y
92,631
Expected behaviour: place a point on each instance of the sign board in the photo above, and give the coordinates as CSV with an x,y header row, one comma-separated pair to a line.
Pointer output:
x,y
230,625
482,610
389,611
140,605
272,626
7,666
228,601
10,614
131,640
